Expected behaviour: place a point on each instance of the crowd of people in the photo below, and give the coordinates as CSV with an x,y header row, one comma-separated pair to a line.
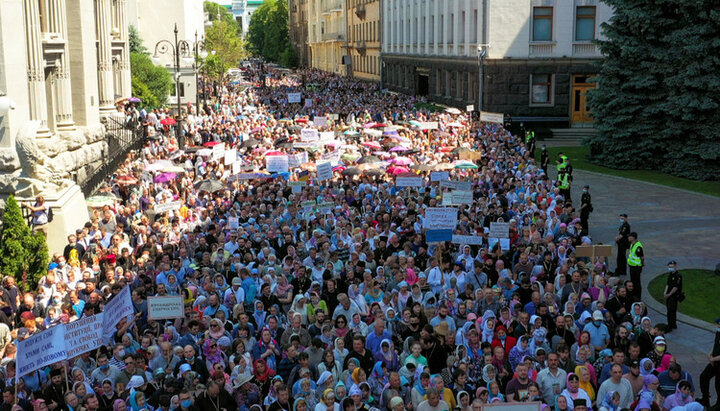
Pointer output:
x,y
302,294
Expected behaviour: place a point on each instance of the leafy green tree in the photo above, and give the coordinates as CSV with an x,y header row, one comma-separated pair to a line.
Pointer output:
x,y
215,10
23,254
134,41
150,83
657,98
273,45
258,27
229,48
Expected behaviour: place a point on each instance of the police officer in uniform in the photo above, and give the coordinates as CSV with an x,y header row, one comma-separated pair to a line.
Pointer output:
x,y
623,244
636,261
673,290
530,142
585,209
564,184
544,159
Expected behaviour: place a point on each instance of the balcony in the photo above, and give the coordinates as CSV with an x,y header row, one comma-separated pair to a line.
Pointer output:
x,y
331,6
332,36
546,49
360,11
586,50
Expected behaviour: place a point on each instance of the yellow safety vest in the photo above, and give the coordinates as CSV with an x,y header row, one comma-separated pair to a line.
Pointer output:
x,y
633,258
564,181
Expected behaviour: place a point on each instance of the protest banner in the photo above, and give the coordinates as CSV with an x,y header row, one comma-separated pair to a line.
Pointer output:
x,y
308,134
437,236
447,199
308,205
233,223
251,176
308,102
429,125
409,181
467,239
294,97
438,218
334,117
160,308
439,176
171,206
83,335
218,152
332,156
117,309
294,160
236,167
305,144
504,243
297,186
230,156
500,230
492,117
39,350
320,121
456,185
277,164
470,107
326,207
462,197
326,136
324,171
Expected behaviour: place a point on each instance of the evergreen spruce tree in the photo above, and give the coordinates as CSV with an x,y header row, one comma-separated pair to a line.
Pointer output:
x,y
656,105
23,254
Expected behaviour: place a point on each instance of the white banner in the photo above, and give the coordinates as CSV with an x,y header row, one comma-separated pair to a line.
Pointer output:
x,y
171,206
334,117
504,243
409,181
324,171
492,117
297,186
440,218
456,185
277,164
447,199
83,335
332,156
117,309
39,350
305,144
462,197
308,134
236,167
308,102
233,223
294,160
320,121
500,230
160,308
294,97
326,207
440,176
327,136
218,151
429,125
471,107
230,156
467,239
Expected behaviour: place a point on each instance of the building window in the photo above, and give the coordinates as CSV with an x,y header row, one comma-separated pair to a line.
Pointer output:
x,y
541,92
585,23
542,23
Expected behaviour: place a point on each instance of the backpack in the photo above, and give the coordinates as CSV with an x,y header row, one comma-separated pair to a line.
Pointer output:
x,y
50,215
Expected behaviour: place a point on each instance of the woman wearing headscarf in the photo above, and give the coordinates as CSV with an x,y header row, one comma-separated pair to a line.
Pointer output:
x,y
324,382
388,356
378,379
137,402
573,391
212,353
646,367
300,405
489,375
339,350
680,398
422,383
262,376
611,402
299,306
78,376
327,402
648,396
519,351
585,382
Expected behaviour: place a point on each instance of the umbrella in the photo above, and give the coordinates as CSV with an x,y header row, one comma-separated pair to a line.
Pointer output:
x,y
415,123
134,100
399,148
406,174
445,149
256,130
422,167
397,170
294,128
443,166
350,156
285,145
209,185
211,143
205,152
369,125
126,179
173,169
281,141
465,165
390,133
168,121
409,152
101,200
378,125
164,177
381,153
461,150
351,133
372,144
452,110
369,160
351,171
176,154
301,120
375,172
249,143
159,165
401,161
455,124
273,153
401,139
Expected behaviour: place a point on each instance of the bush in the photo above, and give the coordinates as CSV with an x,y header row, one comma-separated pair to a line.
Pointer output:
x,y
150,83
23,254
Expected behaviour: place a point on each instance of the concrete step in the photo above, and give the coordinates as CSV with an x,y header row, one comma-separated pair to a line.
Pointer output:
x,y
572,134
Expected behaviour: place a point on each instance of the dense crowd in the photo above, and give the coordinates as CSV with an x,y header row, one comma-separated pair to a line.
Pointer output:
x,y
294,304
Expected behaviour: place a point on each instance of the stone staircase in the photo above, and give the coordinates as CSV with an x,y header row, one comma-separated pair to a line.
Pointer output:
x,y
569,137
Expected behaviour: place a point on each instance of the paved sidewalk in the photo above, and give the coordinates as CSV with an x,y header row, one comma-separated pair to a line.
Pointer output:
x,y
672,224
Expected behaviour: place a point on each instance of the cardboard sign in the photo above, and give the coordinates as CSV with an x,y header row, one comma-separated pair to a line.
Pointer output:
x,y
492,117
447,199
456,185
326,207
437,236
39,350
500,230
294,160
327,136
297,186
332,156
593,251
171,206
308,134
308,205
294,97
504,243
83,335
117,309
230,156
409,181
160,308
438,218
251,176
334,117
320,121
462,197
277,164
324,171
236,167
470,155
467,239
218,152
439,176
471,107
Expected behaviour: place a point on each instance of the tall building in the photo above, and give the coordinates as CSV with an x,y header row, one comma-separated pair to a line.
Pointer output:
x,y
298,25
363,28
537,57
155,21
64,64
243,10
327,35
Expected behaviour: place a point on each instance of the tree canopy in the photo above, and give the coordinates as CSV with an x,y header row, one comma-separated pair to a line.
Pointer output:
x,y
272,44
150,83
656,104
23,254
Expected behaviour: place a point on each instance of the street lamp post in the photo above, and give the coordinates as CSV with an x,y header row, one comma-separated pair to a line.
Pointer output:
x,y
180,48
482,52
200,51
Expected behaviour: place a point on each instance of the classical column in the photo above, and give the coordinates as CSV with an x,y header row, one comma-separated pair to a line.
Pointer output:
x,y
124,62
35,66
61,78
103,17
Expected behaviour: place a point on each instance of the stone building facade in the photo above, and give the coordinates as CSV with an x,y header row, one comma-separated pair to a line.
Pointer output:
x,y
298,25
537,56
363,28
327,35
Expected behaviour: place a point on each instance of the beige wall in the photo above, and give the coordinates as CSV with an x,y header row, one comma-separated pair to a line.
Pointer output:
x,y
327,34
363,28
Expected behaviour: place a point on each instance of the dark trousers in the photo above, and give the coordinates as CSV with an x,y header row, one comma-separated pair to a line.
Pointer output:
x,y
584,216
621,260
711,371
565,192
635,272
672,306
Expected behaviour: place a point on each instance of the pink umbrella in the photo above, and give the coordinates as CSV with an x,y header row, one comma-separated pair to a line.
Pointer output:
x,y
399,148
164,177
401,161
273,153
397,170
372,144
369,125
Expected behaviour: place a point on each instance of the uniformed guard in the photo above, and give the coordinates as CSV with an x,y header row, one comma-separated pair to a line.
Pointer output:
x,y
623,244
673,295
636,261
530,142
585,209
564,184
544,159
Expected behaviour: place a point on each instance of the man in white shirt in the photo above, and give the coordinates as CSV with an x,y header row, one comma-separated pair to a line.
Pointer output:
x,y
433,402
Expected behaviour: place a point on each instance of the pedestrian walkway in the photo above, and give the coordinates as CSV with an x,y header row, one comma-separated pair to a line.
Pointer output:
x,y
672,224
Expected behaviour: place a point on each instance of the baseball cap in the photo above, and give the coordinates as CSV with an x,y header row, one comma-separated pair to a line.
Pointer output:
x,y
623,215
635,363
659,340
237,281
597,315
672,262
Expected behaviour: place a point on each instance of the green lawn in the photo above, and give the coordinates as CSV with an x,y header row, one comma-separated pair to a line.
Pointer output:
x,y
578,160
701,293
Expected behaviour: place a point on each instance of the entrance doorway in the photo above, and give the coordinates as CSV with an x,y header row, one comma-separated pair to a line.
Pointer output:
x,y
423,85
580,113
